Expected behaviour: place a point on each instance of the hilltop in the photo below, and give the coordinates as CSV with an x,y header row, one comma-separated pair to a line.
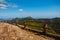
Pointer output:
x,y
12,32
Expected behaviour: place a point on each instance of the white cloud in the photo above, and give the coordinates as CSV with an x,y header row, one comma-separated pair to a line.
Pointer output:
x,y
3,6
2,0
21,10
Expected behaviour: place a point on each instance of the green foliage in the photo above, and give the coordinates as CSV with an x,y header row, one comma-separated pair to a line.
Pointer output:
x,y
51,31
37,24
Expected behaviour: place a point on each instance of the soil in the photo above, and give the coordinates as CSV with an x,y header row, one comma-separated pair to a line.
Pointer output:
x,y
12,32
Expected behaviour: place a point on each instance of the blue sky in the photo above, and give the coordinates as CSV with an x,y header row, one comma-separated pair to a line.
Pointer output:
x,y
33,8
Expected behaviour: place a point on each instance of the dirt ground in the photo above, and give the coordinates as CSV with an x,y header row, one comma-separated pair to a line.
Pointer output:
x,y
12,32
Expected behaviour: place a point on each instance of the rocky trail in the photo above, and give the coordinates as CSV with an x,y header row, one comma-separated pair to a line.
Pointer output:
x,y
12,32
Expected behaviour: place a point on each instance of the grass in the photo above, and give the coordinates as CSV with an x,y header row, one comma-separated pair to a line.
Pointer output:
x,y
39,27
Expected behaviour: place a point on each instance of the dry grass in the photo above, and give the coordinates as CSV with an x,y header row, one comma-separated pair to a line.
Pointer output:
x,y
12,32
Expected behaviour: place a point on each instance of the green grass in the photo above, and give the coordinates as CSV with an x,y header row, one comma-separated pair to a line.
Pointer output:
x,y
39,26
51,31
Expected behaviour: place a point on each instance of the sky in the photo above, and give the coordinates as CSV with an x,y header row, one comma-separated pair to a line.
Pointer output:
x,y
33,8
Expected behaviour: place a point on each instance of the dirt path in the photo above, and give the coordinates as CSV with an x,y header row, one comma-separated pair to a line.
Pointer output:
x,y
12,32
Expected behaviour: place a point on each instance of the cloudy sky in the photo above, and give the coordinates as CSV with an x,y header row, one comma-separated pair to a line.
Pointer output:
x,y
33,8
